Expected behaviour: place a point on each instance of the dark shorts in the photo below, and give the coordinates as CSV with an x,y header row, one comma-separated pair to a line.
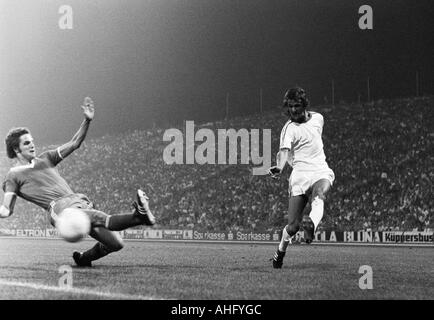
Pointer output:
x,y
80,201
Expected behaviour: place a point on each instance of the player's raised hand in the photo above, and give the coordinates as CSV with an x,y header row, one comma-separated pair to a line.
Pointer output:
x,y
274,172
88,108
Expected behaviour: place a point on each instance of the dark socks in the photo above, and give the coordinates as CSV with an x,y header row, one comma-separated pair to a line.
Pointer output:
x,y
96,252
118,222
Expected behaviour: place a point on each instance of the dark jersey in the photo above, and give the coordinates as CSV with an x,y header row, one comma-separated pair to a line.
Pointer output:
x,y
38,182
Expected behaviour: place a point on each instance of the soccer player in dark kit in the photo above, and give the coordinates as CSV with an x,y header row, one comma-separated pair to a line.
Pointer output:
x,y
36,179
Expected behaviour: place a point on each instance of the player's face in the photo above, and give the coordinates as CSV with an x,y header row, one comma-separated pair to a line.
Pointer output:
x,y
27,147
296,111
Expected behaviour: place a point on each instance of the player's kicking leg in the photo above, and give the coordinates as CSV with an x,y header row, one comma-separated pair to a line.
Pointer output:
x,y
141,215
310,223
295,210
103,225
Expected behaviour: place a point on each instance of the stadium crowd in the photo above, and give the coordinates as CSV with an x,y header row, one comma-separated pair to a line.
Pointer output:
x,y
382,154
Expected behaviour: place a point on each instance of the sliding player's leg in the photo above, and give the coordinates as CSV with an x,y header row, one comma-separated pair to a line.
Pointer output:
x,y
311,222
296,205
141,215
108,241
103,226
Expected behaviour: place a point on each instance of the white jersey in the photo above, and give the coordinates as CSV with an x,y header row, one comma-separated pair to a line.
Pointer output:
x,y
305,143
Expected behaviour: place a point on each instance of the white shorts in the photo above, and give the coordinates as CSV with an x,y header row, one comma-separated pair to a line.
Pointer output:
x,y
301,181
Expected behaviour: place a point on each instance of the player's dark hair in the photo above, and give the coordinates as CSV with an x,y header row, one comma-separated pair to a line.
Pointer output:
x,y
13,140
294,95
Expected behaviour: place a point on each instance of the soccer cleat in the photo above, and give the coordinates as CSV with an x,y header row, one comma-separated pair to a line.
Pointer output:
x,y
278,259
77,256
141,206
308,228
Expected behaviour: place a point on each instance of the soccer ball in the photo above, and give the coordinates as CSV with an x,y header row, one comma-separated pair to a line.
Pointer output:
x,y
73,224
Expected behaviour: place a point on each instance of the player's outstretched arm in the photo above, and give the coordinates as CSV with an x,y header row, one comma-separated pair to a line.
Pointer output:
x,y
281,161
7,208
76,141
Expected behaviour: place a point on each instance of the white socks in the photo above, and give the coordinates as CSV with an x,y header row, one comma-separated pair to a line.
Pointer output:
x,y
317,211
285,241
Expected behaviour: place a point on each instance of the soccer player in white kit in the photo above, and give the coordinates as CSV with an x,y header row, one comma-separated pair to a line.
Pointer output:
x,y
301,147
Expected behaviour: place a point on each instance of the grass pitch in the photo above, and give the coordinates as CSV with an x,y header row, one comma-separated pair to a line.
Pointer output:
x,y
29,269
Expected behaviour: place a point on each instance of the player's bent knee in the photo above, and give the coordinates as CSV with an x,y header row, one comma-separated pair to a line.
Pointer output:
x,y
118,244
320,189
319,195
112,241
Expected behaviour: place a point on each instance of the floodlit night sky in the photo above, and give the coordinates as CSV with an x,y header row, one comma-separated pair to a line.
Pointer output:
x,y
148,62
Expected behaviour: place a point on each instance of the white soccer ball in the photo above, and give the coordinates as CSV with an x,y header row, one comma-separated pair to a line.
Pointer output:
x,y
73,224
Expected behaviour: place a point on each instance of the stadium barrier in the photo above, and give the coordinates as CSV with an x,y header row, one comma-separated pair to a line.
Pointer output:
x,y
402,237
